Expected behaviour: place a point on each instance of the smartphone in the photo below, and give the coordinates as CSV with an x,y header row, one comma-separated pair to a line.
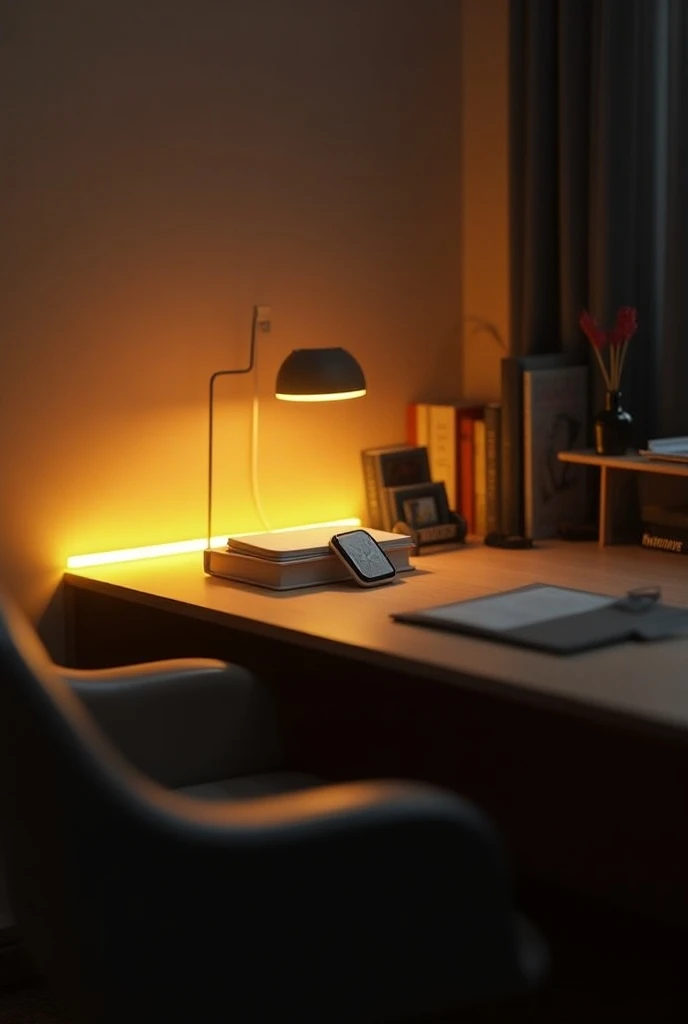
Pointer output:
x,y
363,557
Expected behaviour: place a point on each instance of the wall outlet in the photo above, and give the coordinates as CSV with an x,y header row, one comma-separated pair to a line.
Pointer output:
x,y
263,317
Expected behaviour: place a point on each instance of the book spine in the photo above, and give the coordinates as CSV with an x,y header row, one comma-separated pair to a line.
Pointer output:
x,y
373,489
387,509
512,447
480,476
417,415
664,538
466,471
443,449
493,510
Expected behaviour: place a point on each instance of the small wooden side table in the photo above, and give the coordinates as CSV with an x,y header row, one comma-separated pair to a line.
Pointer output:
x,y
610,468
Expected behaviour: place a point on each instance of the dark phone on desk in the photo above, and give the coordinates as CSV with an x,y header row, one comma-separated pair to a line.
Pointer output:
x,y
363,557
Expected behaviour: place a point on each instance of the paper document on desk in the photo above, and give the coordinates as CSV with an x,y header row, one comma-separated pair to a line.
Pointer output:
x,y
523,607
559,620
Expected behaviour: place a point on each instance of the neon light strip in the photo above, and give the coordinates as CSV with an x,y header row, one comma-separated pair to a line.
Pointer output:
x,y
182,546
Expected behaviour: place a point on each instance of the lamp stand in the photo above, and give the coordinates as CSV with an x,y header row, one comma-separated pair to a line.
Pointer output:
x,y
260,320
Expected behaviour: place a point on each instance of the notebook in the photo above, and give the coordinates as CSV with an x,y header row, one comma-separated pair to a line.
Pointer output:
x,y
560,620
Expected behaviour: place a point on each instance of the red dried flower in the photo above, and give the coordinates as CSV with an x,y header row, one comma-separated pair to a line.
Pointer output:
x,y
595,335
618,336
625,327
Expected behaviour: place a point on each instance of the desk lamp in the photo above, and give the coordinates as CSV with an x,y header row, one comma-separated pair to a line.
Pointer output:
x,y
306,375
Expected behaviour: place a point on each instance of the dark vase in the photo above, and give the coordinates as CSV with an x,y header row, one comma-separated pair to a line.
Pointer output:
x,y
613,427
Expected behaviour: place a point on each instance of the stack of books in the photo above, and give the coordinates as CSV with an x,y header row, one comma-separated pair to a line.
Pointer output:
x,y
499,460
459,436
452,444
290,559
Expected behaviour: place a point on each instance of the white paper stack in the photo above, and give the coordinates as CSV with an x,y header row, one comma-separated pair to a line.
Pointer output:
x,y
289,559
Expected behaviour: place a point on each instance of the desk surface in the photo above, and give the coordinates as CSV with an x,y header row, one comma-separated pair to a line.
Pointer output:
x,y
648,682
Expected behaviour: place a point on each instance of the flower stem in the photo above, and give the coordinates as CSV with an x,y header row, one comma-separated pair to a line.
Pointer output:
x,y
603,368
624,350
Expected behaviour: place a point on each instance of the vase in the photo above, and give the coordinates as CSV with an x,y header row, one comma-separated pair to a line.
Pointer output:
x,y
613,427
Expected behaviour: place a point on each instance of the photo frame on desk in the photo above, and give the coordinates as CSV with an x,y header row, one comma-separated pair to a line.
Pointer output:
x,y
391,466
422,512
419,505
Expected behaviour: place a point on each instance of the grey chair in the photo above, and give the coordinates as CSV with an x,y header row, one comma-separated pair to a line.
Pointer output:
x,y
163,867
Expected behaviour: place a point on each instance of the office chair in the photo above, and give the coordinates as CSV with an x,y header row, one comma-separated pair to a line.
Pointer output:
x,y
164,867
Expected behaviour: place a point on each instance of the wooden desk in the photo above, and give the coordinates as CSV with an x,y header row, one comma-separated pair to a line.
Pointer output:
x,y
582,761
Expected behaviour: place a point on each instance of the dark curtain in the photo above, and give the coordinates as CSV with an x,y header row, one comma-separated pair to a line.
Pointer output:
x,y
599,188
673,363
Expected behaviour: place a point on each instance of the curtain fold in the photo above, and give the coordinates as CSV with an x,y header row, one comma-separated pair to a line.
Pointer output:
x,y
599,123
673,355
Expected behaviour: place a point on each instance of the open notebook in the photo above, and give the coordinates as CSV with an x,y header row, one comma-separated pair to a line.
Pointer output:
x,y
559,620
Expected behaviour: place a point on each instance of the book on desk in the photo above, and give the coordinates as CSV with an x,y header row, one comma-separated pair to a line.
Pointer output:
x,y
291,559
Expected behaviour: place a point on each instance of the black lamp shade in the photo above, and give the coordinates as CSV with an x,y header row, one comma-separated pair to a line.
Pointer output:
x,y
320,375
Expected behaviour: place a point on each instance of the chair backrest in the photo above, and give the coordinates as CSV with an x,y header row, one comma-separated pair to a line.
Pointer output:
x,y
137,913
66,797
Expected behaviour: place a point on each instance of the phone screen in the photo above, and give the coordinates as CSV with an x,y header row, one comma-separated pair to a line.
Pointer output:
x,y
364,555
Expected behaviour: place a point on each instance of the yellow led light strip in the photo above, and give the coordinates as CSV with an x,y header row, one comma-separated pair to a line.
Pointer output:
x,y
180,547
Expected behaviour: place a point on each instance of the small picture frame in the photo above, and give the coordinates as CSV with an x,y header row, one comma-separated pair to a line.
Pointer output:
x,y
419,505
404,466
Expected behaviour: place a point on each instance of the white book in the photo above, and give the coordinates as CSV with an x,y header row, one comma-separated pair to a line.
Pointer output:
x,y
443,449
668,449
305,570
311,541
668,444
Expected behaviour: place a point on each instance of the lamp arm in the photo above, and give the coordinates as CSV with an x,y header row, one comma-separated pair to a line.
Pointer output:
x,y
211,410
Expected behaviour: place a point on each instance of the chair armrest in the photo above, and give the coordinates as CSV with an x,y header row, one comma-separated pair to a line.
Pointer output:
x,y
184,721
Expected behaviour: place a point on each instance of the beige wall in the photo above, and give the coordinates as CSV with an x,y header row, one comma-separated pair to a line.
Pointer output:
x,y
484,209
168,164
165,166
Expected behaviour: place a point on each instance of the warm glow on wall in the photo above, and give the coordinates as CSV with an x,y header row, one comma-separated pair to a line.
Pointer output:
x,y
181,547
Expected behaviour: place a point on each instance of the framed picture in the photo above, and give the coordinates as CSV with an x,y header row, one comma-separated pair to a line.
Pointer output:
x,y
419,505
398,465
404,466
